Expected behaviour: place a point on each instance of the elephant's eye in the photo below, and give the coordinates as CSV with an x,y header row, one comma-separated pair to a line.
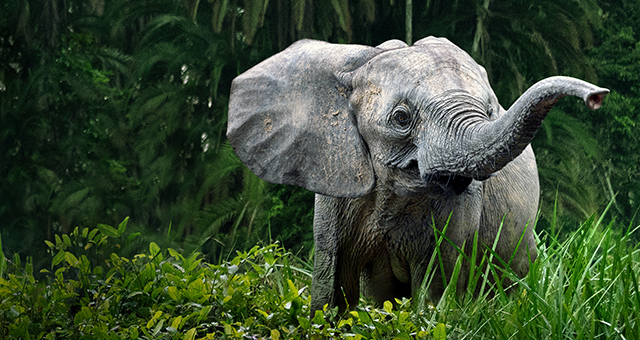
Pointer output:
x,y
490,110
402,116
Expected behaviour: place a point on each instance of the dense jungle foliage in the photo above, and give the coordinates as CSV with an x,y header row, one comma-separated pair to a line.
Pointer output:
x,y
118,108
116,111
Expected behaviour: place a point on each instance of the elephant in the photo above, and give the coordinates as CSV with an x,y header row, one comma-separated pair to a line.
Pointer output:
x,y
396,142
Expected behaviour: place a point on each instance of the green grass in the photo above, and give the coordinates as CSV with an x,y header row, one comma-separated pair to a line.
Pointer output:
x,y
583,287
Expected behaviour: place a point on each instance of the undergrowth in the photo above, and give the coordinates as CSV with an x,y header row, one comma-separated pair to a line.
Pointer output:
x,y
582,288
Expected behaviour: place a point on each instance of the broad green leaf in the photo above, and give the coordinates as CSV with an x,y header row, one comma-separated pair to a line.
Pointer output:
x,y
174,293
93,233
134,294
176,322
71,259
83,314
60,272
154,250
108,230
58,258
156,316
318,319
174,253
158,327
263,313
293,291
66,240
388,307
269,259
228,330
190,334
85,264
134,333
122,227
132,236
355,336
156,292
204,312
364,317
344,322
440,332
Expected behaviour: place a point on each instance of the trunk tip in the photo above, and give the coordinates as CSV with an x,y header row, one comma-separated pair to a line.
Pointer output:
x,y
594,99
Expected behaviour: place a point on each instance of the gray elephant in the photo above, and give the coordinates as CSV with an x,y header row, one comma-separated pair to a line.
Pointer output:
x,y
395,141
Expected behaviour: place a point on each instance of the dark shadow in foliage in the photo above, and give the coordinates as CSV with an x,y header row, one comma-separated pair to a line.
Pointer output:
x,y
290,217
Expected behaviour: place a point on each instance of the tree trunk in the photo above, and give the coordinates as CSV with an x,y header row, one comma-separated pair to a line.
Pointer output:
x,y
409,21
480,29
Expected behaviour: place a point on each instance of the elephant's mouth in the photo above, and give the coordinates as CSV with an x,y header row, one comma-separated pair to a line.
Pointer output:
x,y
451,183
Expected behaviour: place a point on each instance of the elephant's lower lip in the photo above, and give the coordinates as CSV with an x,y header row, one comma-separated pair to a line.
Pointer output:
x,y
453,183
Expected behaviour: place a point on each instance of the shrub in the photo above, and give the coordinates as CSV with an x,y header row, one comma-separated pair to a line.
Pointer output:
x,y
584,287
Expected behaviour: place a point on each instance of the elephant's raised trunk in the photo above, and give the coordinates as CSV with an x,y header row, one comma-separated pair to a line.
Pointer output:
x,y
494,144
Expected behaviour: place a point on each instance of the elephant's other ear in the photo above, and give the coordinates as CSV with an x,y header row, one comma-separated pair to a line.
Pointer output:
x,y
289,119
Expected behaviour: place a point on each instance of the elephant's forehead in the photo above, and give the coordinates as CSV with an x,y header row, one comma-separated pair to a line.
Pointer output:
x,y
435,68
427,57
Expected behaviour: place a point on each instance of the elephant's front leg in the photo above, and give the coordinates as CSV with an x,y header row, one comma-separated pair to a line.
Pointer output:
x,y
335,274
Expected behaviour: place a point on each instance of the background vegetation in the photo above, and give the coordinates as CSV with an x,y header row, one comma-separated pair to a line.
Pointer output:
x,y
118,108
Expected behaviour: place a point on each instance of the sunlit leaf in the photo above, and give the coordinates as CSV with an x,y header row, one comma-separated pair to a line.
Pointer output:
x,y
107,230
440,332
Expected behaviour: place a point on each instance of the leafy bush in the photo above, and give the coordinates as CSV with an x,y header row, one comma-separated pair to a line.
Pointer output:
x,y
584,287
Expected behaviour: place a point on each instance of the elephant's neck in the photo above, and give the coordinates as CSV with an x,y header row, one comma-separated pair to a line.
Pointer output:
x,y
390,210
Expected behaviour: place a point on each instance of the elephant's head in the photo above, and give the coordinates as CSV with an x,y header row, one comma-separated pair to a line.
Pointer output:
x,y
339,119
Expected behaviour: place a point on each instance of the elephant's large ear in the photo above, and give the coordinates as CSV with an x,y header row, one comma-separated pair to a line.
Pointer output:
x,y
289,119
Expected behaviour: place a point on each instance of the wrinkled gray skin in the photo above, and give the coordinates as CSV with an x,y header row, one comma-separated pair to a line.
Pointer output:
x,y
393,139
